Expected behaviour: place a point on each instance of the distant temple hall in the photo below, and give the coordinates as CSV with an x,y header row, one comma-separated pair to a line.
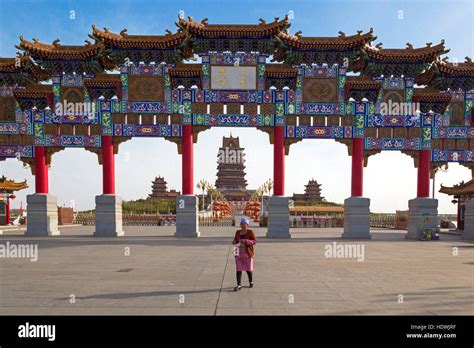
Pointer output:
x,y
231,176
160,190
312,193
231,171
462,192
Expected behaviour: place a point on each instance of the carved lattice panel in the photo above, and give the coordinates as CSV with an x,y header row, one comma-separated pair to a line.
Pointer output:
x,y
305,120
72,95
133,118
385,132
7,109
118,118
96,129
50,129
450,144
370,132
145,88
333,120
319,120
414,132
217,108
250,109
267,109
199,108
457,114
319,90
348,120
462,144
147,119
233,108
392,102
162,119
400,133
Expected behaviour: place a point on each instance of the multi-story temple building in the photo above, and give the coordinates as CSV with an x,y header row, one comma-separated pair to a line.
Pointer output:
x,y
312,193
315,88
462,193
159,190
231,171
7,189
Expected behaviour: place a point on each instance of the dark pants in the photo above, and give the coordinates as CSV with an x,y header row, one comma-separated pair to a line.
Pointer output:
x,y
239,277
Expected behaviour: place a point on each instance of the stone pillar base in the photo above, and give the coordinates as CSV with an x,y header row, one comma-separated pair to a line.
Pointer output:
x,y
42,215
187,224
469,221
108,216
356,218
422,212
278,217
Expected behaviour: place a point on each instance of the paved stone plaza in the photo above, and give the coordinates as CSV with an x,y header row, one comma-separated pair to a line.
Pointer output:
x,y
165,275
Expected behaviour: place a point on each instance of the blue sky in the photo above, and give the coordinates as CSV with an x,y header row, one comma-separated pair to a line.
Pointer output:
x,y
390,178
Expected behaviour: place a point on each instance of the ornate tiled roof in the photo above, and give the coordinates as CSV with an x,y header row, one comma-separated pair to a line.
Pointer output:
x,y
409,61
362,83
57,51
35,95
20,70
406,55
359,87
186,70
280,71
56,58
34,92
457,75
104,84
10,185
263,29
341,42
461,189
123,40
430,95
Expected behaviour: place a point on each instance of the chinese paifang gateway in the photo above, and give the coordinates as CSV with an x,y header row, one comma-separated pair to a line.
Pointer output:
x,y
305,92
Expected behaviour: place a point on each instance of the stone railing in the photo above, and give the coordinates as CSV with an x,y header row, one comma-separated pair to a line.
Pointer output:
x,y
384,221
315,222
209,221
129,219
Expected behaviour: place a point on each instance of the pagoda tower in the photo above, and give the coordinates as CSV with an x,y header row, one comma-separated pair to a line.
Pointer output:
x,y
313,191
159,189
231,169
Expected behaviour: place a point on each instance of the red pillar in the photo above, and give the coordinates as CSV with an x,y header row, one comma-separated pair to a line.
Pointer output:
x,y
424,164
108,165
357,183
278,161
41,170
459,214
187,158
7,215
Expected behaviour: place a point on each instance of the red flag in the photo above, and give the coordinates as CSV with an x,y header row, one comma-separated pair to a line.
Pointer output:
x,y
21,207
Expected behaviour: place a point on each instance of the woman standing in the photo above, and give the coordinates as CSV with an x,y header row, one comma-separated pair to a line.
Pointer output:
x,y
245,240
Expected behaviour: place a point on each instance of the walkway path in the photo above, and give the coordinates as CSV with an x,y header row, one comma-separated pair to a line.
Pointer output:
x,y
166,275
